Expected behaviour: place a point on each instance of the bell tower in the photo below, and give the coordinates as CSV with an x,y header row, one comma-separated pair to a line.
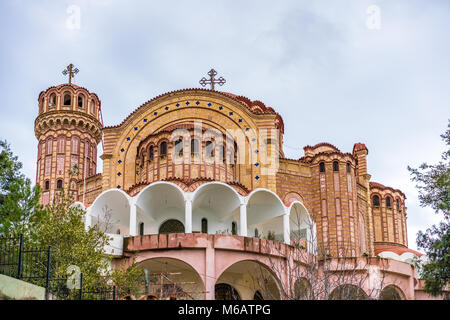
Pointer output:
x,y
68,130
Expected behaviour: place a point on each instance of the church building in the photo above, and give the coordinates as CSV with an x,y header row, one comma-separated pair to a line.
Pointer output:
x,y
195,184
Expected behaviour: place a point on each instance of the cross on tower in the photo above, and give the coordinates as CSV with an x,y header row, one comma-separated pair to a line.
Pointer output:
x,y
71,70
212,73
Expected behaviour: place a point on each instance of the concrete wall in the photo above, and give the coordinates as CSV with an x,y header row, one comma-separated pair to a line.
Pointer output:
x,y
20,290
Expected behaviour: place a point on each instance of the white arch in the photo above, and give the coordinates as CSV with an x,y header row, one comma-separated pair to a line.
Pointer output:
x,y
268,215
156,203
221,212
196,191
309,225
111,210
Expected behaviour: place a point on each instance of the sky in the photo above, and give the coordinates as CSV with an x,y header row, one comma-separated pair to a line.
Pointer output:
x,y
376,72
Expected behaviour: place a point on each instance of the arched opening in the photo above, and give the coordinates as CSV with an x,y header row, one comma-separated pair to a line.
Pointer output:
x,y
217,202
52,101
248,276
141,229
59,184
67,100
157,203
265,213
392,292
302,229
302,289
348,292
80,101
151,152
47,185
179,279
111,212
224,291
163,149
335,166
322,167
376,201
204,225
171,226
194,146
388,202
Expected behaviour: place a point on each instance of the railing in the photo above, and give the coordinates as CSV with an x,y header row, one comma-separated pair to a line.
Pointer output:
x,y
34,265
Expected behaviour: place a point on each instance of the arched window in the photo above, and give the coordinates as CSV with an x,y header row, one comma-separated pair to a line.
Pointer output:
x,y
163,149
388,202
118,231
178,147
322,167
151,152
47,185
75,144
256,233
59,184
233,228
67,99
49,146
93,107
348,167
376,201
209,149
141,229
52,101
224,291
194,146
204,225
80,101
142,160
397,204
335,166
61,144
171,226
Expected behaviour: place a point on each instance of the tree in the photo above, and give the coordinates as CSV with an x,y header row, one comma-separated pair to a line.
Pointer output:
x,y
434,191
20,211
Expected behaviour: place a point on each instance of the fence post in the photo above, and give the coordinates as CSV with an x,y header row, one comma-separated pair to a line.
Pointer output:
x,y
114,293
80,297
19,271
47,279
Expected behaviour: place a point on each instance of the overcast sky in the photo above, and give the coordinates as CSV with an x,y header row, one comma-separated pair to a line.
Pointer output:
x,y
342,72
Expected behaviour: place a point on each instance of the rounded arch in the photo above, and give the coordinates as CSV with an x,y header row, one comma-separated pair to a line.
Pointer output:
x,y
303,289
265,212
348,292
392,292
302,226
248,276
182,282
157,203
219,203
111,211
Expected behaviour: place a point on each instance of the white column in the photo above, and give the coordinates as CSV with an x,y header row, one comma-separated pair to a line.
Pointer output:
x,y
286,228
188,216
133,218
243,220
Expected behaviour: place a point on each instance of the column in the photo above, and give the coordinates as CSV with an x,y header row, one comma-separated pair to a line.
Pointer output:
x,y
286,229
243,220
188,216
133,218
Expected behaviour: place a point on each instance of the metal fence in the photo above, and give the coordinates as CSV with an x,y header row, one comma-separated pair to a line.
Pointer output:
x,y
34,265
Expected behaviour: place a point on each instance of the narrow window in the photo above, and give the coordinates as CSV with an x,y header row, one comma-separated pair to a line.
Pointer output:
x,y
335,166
142,159
80,101
179,147
348,167
209,149
204,225
397,204
67,99
256,233
376,201
233,228
388,202
52,102
151,152
118,231
47,185
322,167
194,146
59,184
93,107
163,149
141,229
